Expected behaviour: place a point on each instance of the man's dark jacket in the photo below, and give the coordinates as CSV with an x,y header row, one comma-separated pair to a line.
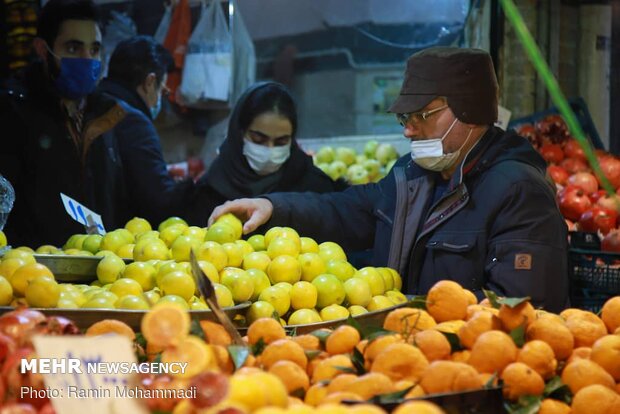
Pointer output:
x,y
496,227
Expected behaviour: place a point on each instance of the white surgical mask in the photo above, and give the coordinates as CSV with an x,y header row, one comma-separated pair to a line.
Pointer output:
x,y
263,159
428,153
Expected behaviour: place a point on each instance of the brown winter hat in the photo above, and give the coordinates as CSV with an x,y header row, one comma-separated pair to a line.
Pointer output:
x,y
465,76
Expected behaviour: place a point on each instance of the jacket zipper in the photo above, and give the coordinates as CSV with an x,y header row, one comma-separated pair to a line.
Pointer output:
x,y
400,211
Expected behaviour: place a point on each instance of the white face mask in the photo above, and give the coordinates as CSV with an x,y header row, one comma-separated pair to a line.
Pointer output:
x,y
428,153
263,159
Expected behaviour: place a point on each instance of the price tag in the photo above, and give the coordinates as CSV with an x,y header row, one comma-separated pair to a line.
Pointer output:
x,y
91,220
84,374
503,117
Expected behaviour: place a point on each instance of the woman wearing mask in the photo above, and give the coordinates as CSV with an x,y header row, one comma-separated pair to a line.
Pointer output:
x,y
260,154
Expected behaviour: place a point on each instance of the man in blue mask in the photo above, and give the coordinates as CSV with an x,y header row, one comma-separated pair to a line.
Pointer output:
x,y
470,203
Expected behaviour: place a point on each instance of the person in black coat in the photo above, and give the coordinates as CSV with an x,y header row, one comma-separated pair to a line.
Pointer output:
x,y
260,154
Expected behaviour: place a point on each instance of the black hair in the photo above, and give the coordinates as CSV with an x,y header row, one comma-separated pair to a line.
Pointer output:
x,y
55,12
273,97
134,58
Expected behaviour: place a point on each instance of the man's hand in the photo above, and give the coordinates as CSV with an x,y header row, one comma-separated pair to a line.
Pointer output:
x,y
255,212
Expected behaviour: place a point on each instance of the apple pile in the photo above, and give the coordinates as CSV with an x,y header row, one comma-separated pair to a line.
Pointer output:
x,y
370,166
582,201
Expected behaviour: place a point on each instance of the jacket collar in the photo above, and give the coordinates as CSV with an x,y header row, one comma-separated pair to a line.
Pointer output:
x,y
120,91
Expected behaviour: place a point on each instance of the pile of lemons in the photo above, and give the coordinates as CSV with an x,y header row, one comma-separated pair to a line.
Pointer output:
x,y
279,272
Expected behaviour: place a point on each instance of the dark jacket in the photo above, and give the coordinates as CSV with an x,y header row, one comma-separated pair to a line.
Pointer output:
x,y
38,156
151,193
230,176
496,227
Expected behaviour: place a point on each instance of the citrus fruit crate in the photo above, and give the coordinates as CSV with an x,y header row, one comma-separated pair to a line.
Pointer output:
x,y
71,268
84,318
594,278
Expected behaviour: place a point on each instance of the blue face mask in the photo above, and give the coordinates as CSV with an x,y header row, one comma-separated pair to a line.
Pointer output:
x,y
157,108
78,77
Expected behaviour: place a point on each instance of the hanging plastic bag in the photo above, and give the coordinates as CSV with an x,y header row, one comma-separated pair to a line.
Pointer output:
x,y
176,43
164,25
7,198
244,56
207,73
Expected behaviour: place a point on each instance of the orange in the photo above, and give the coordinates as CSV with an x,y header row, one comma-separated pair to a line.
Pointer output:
x,y
583,372
223,359
292,376
486,377
165,324
315,394
433,344
418,407
266,328
314,362
110,326
610,313
586,328
338,397
553,332
365,409
549,406
330,368
449,376
152,351
539,356
461,356
450,326
520,380
492,352
215,334
191,350
377,345
480,322
472,309
371,384
583,352
400,361
606,353
340,383
283,349
595,399
361,345
307,342
342,340
415,392
473,300
447,301
408,321
512,318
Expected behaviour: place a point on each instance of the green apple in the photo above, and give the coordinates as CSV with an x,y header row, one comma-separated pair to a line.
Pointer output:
x,y
360,159
385,153
357,174
325,155
389,165
323,167
371,148
373,167
337,169
346,155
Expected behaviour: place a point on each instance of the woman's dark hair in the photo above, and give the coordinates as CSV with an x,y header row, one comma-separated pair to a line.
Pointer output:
x,y
133,59
272,97
55,12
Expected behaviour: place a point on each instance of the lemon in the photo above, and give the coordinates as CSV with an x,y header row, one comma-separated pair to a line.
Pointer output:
x,y
152,296
271,234
256,260
150,234
112,241
76,297
170,221
126,251
103,253
282,246
233,222
234,254
260,280
214,253
181,247
291,234
303,295
78,242
311,266
331,250
25,274
46,249
284,268
374,279
259,309
141,272
278,298
92,242
98,303
379,302
124,287
178,300
110,268
304,317
6,292
330,290
221,233
246,248
65,303
198,306
3,240
388,280
396,296
165,268
170,234
357,291
107,295
331,312
70,243
138,225
342,269
238,282
284,285
308,245
150,249
9,266
196,232
257,242
209,270
398,281
133,302
223,295
127,235
356,310
178,283
26,257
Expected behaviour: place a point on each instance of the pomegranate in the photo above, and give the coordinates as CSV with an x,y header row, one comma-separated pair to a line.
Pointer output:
x,y
611,170
598,219
211,388
595,196
528,132
552,153
57,325
7,347
572,149
554,128
19,324
573,202
558,174
585,181
15,408
574,165
611,202
611,242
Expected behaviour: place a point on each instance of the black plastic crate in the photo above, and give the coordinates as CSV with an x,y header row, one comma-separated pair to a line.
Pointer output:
x,y
594,278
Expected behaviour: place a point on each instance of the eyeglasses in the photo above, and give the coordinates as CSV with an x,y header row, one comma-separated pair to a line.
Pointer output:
x,y
417,117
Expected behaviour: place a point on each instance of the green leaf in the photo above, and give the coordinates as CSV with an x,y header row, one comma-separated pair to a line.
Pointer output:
x,y
258,347
310,354
346,370
299,393
526,405
239,354
292,332
351,321
512,302
557,390
518,335
454,340
275,315
196,330
492,297
392,397
358,361
141,340
418,302
157,359
491,382
322,334
372,333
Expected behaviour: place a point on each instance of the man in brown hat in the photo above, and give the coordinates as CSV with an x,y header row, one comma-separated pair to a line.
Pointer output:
x,y
469,204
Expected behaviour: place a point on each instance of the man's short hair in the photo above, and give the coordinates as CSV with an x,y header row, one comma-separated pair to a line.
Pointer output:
x,y
55,12
133,59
